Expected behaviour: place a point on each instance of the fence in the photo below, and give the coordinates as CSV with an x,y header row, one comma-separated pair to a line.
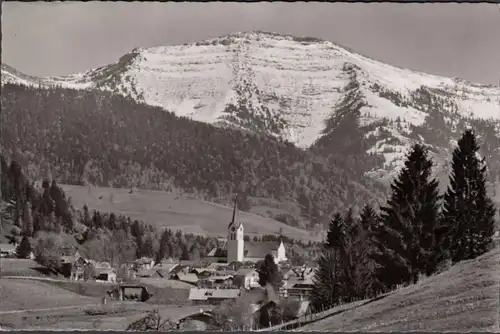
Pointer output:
x,y
313,317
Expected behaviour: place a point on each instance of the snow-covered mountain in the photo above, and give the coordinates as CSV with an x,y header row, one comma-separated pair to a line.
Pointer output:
x,y
299,89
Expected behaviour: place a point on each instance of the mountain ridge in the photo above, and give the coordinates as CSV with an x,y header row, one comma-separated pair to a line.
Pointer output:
x,y
297,89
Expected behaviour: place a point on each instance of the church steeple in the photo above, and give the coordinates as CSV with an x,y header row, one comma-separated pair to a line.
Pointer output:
x,y
234,210
235,238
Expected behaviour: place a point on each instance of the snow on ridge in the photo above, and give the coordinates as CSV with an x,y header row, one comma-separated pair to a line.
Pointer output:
x,y
299,80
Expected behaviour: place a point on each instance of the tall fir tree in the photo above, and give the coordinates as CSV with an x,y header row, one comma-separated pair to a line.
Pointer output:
x,y
24,249
468,220
27,219
336,233
327,280
326,292
369,218
405,239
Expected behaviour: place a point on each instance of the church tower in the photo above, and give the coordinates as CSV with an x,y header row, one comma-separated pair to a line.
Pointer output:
x,y
235,241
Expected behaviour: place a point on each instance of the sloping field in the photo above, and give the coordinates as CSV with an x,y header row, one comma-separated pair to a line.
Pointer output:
x,y
31,294
464,298
22,267
113,316
164,209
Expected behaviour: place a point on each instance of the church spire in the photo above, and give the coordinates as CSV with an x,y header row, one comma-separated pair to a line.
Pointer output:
x,y
234,210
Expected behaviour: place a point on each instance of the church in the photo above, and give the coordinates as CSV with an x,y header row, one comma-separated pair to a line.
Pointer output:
x,y
239,250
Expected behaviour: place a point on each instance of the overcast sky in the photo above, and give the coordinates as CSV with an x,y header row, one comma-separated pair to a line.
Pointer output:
x,y
455,40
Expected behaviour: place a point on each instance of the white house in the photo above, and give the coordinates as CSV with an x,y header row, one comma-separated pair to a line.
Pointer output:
x,y
239,250
248,278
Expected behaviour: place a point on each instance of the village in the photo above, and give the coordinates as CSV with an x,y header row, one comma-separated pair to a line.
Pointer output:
x,y
227,273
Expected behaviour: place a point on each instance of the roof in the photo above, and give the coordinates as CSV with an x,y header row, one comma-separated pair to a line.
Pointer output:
x,y
244,271
217,252
166,266
218,266
144,260
165,273
216,278
260,249
190,278
205,294
200,270
146,272
7,247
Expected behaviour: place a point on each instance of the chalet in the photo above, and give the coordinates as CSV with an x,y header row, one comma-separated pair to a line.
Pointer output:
x,y
130,292
165,268
107,275
187,278
143,263
212,296
8,250
247,278
298,282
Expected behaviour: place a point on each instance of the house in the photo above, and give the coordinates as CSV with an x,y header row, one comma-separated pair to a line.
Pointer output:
x,y
187,278
246,278
69,257
144,263
165,268
107,275
78,269
8,250
299,283
264,306
239,250
212,296
148,273
130,292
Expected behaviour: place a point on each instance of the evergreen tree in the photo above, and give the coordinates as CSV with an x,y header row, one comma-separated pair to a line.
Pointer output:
x,y
327,282
24,249
336,234
468,221
27,220
404,241
369,218
326,291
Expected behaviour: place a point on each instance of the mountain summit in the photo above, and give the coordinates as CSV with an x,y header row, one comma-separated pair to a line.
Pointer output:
x,y
307,91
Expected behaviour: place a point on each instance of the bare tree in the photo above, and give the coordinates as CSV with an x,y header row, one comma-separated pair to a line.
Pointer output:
x,y
153,321
234,315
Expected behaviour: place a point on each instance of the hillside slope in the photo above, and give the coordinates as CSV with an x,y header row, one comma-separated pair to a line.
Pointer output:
x,y
89,137
464,298
162,209
299,89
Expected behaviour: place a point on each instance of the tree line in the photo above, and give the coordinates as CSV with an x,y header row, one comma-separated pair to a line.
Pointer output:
x,y
93,137
49,224
417,233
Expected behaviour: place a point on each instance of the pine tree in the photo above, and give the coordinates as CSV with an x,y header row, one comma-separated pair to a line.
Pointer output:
x,y
27,220
327,280
368,217
369,221
326,291
336,232
404,241
24,249
468,220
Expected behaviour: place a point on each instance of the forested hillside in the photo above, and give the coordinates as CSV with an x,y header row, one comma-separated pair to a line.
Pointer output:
x,y
78,137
